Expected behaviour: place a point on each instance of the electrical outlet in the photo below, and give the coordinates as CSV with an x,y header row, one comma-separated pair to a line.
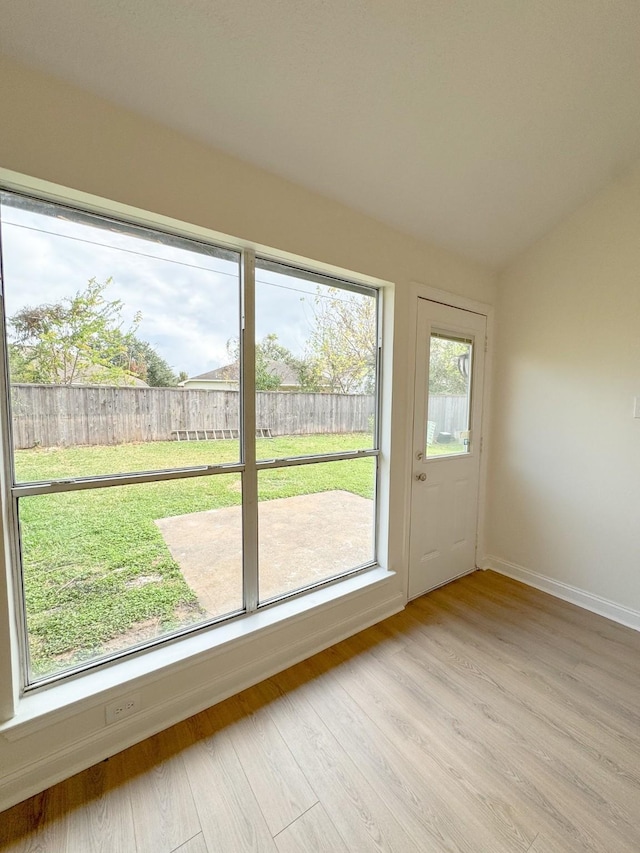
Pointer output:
x,y
121,708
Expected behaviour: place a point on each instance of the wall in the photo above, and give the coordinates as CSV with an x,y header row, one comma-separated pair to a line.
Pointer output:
x,y
58,133
565,462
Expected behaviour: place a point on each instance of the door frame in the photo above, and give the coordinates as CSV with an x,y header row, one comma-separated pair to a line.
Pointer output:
x,y
454,300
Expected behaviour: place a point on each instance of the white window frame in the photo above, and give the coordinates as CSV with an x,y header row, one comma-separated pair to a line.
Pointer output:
x,y
13,662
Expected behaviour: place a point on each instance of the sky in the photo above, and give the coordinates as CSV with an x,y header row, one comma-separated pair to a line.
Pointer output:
x,y
188,298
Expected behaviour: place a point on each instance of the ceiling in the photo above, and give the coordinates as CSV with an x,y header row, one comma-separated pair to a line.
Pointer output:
x,y
475,124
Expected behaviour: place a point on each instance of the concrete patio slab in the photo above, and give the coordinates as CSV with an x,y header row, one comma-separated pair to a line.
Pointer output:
x,y
303,540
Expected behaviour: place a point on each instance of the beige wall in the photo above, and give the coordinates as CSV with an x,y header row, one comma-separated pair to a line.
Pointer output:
x,y
57,133
565,460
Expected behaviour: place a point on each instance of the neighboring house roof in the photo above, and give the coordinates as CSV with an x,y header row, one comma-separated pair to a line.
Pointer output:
x,y
230,373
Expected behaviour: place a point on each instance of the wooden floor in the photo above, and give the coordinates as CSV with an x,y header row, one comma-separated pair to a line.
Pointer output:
x,y
486,717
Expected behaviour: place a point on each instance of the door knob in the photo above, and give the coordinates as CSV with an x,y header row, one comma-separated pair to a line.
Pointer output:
x,y
422,477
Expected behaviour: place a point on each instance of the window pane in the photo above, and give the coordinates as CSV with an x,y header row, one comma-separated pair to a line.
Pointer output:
x,y
107,569
315,522
316,355
113,334
449,396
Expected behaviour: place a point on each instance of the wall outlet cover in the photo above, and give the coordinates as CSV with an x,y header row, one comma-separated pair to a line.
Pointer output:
x,y
124,707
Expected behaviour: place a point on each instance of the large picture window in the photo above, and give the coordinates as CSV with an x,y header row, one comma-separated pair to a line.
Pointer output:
x,y
193,432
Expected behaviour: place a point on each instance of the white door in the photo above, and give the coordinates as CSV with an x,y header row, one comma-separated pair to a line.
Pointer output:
x,y
446,444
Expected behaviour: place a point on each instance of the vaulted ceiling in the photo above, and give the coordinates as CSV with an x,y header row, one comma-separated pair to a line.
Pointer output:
x,y
475,124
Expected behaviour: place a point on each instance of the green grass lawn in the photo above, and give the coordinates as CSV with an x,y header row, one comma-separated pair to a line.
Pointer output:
x,y
445,449
95,563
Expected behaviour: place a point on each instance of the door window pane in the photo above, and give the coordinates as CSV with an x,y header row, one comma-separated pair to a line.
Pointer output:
x,y
106,569
113,336
448,408
315,522
316,363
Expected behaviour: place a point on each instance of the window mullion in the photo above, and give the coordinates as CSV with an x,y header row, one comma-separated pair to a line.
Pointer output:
x,y
248,415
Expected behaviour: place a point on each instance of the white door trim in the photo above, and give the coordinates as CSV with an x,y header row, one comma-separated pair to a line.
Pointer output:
x,y
424,291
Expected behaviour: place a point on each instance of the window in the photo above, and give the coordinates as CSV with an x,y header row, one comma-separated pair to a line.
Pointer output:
x,y
449,395
193,432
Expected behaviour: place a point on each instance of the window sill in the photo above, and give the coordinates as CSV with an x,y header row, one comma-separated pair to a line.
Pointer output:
x,y
43,708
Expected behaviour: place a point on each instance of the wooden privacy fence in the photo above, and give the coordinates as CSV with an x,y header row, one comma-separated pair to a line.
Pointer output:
x,y
448,412
67,415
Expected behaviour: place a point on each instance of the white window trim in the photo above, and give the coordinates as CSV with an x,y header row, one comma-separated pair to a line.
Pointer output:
x,y
27,713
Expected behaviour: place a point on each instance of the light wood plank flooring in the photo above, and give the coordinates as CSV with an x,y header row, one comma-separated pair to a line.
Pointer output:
x,y
486,717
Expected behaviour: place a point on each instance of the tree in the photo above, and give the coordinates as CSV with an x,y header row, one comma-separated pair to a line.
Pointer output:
x,y
445,366
19,368
146,364
80,337
343,342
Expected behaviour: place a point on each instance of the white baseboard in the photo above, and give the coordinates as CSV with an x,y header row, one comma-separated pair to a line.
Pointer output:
x,y
573,594
229,679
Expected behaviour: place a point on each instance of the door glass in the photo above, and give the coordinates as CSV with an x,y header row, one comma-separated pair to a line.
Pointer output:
x,y
449,396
